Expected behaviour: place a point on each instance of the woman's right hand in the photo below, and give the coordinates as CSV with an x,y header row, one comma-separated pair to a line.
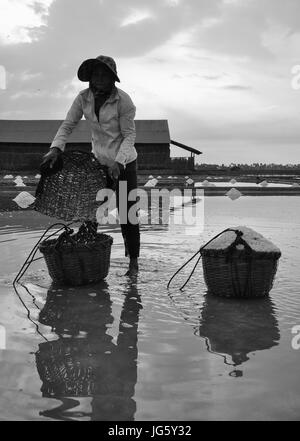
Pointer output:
x,y
51,156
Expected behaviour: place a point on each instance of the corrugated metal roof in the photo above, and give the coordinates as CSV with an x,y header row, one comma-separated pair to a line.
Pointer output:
x,y
149,131
43,131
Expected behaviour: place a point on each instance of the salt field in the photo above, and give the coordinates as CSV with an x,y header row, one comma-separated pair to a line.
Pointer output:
x,y
131,349
242,184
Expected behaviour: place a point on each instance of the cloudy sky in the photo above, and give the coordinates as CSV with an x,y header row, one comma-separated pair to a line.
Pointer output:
x,y
225,73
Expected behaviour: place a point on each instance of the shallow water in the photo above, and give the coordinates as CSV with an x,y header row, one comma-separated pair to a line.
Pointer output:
x,y
132,350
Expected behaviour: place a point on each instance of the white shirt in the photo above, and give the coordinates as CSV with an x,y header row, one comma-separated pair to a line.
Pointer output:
x,y
113,136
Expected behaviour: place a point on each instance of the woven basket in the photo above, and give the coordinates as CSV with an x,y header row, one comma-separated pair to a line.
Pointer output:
x,y
66,368
70,192
85,367
239,271
77,263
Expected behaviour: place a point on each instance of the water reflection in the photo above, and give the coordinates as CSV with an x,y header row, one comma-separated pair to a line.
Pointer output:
x,y
85,361
238,327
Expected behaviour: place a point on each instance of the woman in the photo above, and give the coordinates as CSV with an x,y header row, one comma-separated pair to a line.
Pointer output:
x,y
110,112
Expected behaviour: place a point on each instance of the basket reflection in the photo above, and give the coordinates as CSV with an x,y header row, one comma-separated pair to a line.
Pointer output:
x,y
238,327
85,361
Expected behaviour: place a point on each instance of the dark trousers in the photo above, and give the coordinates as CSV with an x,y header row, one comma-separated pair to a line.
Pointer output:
x,y
130,231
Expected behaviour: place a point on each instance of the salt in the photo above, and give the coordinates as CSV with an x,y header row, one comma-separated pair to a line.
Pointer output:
x,y
254,239
151,183
24,199
233,194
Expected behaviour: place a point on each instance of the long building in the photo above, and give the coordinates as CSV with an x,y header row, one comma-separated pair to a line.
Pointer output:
x,y
24,142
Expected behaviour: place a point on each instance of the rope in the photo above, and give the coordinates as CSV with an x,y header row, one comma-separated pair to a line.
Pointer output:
x,y
200,251
238,240
206,340
208,348
29,315
35,248
24,268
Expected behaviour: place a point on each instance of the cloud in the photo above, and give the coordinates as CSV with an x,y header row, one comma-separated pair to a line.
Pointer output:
x,y
184,60
76,30
135,17
239,28
69,31
238,32
212,77
236,87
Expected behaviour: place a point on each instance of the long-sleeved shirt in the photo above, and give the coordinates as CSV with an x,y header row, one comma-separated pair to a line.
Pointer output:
x,y
113,135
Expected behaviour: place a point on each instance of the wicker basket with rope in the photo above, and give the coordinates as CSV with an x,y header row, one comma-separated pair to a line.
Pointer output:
x,y
80,258
238,262
68,191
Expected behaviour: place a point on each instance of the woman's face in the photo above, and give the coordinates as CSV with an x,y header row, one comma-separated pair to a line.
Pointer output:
x,y
102,78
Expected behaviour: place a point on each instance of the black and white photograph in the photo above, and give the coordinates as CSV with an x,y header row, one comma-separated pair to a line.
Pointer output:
x,y
149,213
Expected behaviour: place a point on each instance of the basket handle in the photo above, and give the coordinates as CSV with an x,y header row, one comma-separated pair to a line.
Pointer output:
x,y
200,251
66,235
32,253
238,241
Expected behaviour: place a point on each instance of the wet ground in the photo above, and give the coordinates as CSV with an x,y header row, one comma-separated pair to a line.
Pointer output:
x,y
131,349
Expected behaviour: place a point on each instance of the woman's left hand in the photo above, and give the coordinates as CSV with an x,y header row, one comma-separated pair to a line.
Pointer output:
x,y
115,170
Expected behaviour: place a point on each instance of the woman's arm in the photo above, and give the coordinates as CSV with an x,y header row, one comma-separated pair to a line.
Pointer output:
x,y
127,126
74,115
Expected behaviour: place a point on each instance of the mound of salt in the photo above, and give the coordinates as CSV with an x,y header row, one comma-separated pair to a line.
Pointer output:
x,y
24,199
151,183
18,180
233,194
264,184
254,239
233,181
8,177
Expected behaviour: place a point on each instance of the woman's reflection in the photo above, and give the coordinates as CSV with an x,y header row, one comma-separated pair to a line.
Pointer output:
x,y
238,327
85,361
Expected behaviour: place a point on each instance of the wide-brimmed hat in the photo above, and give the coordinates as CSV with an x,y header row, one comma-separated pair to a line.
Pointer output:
x,y
86,68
